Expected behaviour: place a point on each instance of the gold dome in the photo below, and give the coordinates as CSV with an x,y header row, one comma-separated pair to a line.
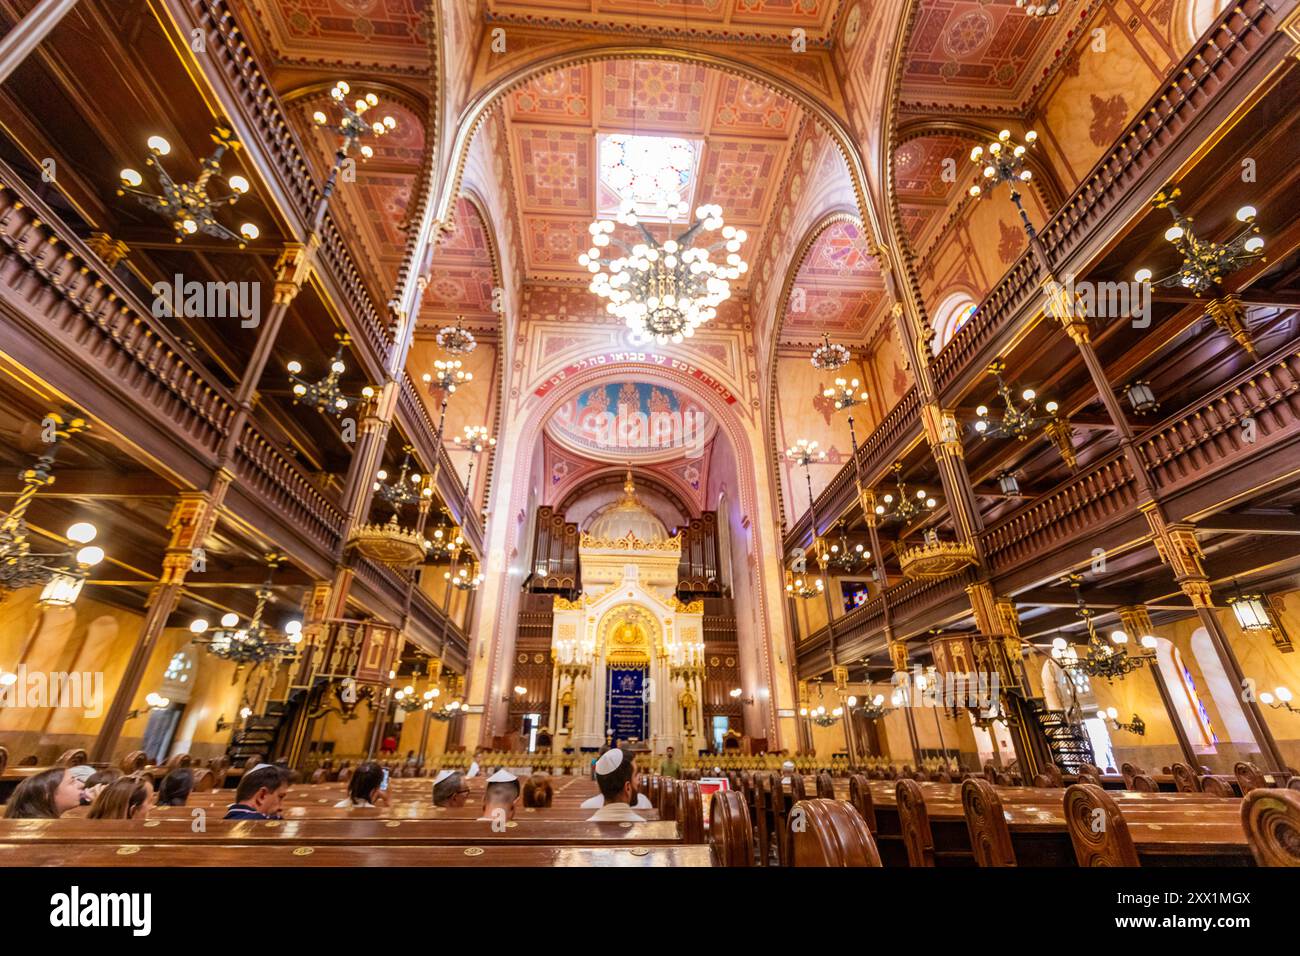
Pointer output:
x,y
628,516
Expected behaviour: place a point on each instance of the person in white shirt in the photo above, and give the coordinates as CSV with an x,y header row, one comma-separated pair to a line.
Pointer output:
x,y
500,796
366,787
598,801
616,777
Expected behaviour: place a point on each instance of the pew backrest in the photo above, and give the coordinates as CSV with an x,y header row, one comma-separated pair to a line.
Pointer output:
x,y
860,797
1185,778
990,837
690,812
73,758
1098,831
134,762
730,833
830,833
1271,819
914,821
1248,777
825,786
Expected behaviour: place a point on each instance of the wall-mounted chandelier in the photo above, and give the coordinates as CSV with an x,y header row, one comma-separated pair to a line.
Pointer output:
x,y
664,290
187,205
255,642
456,339
1100,658
324,394
1205,262
830,356
903,506
61,573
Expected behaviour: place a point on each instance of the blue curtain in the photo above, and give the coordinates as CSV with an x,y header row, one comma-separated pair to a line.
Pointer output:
x,y
625,704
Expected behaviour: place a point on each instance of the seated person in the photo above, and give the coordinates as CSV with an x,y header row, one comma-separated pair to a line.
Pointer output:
x,y
616,777
97,781
449,789
642,802
260,793
47,795
366,787
175,789
538,792
500,795
126,798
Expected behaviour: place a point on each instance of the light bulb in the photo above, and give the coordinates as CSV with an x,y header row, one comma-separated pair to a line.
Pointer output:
x,y
83,532
1246,213
230,619
1148,642
238,183
1112,713
1254,244
1142,275
90,556
1283,694
159,145
131,177
1119,637
1174,233
198,625
249,231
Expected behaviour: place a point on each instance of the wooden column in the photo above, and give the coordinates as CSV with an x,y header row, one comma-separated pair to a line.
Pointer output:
x,y
191,522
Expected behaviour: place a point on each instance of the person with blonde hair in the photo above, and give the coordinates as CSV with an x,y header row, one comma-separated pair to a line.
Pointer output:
x,y
126,798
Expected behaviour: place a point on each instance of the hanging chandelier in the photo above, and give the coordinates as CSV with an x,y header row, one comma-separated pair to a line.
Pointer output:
x,y
1100,658
831,356
819,715
257,641
1003,161
1018,421
456,339
325,395
465,579
187,205
903,507
1049,9
665,291
445,540
803,454
1205,262
873,709
403,490
841,556
353,126
60,573
447,376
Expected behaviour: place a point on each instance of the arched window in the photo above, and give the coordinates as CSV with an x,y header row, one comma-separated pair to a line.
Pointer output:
x,y
1221,688
1187,701
951,315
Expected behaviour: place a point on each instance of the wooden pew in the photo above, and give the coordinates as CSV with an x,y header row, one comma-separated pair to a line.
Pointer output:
x,y
533,832
287,855
1271,819
830,833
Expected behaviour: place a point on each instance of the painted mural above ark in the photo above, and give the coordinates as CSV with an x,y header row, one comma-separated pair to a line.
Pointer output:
x,y
618,421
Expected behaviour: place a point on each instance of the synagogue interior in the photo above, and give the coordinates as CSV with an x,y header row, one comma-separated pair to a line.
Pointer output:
x,y
701,433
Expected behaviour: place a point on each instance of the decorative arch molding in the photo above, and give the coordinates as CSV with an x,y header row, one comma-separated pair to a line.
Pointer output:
x,y
532,415
575,487
486,99
634,610
828,219
477,204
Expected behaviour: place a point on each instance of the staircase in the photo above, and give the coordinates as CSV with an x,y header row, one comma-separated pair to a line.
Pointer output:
x,y
258,735
1069,743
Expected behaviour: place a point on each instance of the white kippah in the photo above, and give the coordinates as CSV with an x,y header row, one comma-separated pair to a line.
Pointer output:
x,y
788,765
260,766
502,776
441,776
82,771
609,761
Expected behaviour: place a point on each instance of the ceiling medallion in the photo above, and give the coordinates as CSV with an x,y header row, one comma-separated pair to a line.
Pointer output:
x,y
664,290
936,559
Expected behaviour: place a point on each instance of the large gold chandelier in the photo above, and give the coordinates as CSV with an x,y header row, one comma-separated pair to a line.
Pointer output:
x,y
664,290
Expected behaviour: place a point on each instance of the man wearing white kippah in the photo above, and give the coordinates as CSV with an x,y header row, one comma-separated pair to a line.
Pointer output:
x,y
616,777
500,794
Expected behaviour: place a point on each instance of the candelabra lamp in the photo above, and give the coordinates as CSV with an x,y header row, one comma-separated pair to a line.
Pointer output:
x,y
1136,726
1100,658
324,394
830,356
1205,262
188,205
1003,161
847,395
257,641
352,125
61,574
903,506
1281,697
843,557
872,709
465,579
686,661
445,540
405,488
456,339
